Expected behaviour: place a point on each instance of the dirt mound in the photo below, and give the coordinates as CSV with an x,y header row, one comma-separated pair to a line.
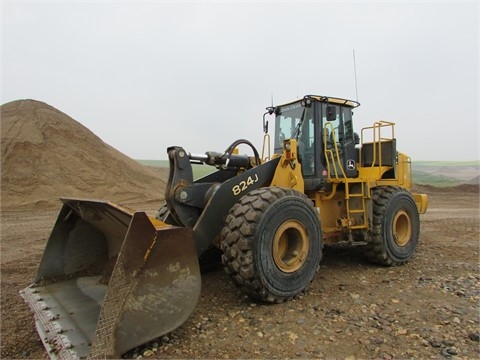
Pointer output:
x,y
46,155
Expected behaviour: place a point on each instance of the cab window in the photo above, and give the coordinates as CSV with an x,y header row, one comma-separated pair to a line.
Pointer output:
x,y
286,124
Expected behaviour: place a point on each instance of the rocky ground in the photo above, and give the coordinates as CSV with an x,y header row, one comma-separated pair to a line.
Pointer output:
x,y
428,308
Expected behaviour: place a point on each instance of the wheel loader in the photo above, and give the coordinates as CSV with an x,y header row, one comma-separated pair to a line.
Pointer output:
x,y
111,278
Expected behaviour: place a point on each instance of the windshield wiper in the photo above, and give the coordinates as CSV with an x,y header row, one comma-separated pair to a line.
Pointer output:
x,y
296,132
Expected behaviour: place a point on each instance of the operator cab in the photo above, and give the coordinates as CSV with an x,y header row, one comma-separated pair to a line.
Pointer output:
x,y
325,138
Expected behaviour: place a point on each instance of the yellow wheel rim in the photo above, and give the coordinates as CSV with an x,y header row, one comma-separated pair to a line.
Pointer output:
x,y
290,246
402,228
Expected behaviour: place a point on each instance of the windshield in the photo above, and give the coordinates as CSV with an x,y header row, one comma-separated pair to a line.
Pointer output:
x,y
287,124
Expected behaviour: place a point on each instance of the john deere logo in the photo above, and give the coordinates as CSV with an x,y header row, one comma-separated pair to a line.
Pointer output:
x,y
350,164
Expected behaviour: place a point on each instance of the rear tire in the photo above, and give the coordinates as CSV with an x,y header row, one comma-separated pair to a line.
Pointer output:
x,y
396,226
272,244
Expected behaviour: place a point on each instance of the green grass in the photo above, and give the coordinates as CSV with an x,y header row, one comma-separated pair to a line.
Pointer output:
x,y
155,163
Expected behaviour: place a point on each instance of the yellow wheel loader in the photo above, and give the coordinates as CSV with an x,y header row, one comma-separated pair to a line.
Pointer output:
x,y
112,279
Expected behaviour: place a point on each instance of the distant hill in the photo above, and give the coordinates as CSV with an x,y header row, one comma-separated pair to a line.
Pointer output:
x,y
446,173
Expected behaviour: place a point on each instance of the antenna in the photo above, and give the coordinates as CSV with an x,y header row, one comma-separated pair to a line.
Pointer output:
x,y
355,73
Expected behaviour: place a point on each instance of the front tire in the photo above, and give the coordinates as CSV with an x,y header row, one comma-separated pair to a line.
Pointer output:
x,y
272,244
395,228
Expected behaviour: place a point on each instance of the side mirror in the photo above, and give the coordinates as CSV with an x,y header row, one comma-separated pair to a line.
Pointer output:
x,y
331,113
265,122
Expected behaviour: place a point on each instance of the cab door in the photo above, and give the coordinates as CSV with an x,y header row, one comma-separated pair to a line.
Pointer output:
x,y
350,153
338,140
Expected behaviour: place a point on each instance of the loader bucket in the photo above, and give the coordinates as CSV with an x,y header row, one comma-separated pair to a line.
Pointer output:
x,y
111,279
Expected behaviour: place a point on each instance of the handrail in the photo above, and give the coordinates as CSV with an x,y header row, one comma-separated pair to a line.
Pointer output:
x,y
377,139
330,153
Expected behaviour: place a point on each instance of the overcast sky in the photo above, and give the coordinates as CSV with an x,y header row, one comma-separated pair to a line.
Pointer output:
x,y
147,75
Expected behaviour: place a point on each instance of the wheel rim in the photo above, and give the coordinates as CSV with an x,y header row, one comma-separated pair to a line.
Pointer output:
x,y
402,228
290,246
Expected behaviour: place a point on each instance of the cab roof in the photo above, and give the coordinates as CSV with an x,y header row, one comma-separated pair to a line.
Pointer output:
x,y
326,99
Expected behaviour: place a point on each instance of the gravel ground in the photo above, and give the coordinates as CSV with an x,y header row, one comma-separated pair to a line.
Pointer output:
x,y
428,308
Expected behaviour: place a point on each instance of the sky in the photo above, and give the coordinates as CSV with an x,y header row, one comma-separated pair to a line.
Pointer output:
x,y
145,75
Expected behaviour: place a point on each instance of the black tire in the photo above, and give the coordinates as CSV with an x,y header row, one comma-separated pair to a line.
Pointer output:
x,y
395,228
272,244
